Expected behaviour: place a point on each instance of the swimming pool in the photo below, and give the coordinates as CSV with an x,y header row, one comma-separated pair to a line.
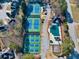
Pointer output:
x,y
54,29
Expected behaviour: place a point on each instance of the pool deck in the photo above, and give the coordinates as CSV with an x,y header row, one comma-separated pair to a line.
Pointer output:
x,y
52,37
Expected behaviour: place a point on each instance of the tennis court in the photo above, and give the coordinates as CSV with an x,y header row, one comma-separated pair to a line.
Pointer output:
x,y
32,43
33,21
34,1
36,9
33,9
32,25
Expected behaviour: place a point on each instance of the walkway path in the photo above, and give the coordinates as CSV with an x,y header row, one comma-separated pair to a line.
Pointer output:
x,y
45,38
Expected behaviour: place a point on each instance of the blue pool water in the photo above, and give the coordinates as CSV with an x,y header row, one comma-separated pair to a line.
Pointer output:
x,y
54,29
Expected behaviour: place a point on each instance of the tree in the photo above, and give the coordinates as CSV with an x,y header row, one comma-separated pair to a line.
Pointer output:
x,y
67,47
14,46
63,6
28,56
1,22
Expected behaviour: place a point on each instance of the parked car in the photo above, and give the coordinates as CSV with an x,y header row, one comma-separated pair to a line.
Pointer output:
x,y
3,28
14,7
9,55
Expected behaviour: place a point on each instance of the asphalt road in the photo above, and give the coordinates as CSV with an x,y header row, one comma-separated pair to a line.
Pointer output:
x,y
72,30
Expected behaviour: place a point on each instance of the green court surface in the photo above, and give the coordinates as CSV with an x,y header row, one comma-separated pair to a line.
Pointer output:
x,y
36,9
32,43
33,25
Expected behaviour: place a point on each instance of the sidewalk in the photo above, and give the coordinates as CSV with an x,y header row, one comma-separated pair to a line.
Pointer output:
x,y
45,38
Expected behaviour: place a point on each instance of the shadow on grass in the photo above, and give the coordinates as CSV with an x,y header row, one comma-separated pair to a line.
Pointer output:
x,y
68,17
74,55
27,9
3,1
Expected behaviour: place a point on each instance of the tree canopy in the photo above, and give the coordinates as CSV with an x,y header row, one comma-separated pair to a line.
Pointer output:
x,y
14,46
63,6
67,46
28,56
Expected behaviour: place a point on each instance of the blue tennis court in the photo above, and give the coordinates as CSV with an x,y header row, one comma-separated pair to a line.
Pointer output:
x,y
32,25
37,8
34,9
36,23
32,42
34,1
28,24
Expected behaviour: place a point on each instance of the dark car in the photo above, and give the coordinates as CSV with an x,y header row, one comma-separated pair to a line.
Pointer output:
x,y
0,7
3,28
14,7
12,22
13,13
5,56
8,55
8,14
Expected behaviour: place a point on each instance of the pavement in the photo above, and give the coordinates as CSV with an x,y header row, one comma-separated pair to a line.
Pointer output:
x,y
45,38
18,56
3,15
73,35
72,30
